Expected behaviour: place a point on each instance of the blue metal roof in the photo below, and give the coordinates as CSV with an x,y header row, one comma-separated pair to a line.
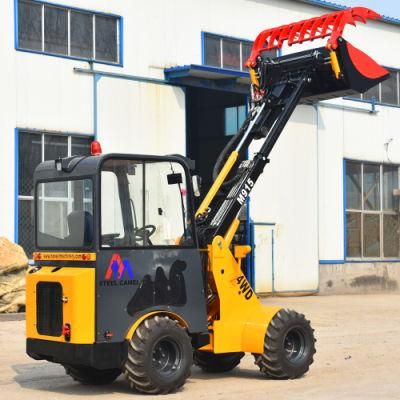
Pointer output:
x,y
180,70
205,76
334,6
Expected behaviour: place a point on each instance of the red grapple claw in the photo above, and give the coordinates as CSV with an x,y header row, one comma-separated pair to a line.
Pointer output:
x,y
331,25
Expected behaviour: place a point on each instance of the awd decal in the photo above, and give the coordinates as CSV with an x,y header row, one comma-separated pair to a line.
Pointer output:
x,y
116,271
244,287
245,191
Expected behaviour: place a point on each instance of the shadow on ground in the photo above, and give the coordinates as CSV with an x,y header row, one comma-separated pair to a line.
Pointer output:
x,y
51,378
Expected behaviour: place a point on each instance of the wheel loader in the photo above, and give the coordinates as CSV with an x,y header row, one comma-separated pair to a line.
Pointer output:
x,y
129,279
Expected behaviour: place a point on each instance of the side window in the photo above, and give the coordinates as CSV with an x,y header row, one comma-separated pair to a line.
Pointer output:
x,y
390,89
112,226
372,210
386,92
81,26
228,53
65,214
144,204
106,39
166,198
53,29
30,25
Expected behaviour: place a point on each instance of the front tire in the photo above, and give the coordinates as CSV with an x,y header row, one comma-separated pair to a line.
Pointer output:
x,y
216,363
159,356
289,346
90,375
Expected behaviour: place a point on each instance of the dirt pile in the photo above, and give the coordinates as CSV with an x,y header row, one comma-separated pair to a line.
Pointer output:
x,y
13,264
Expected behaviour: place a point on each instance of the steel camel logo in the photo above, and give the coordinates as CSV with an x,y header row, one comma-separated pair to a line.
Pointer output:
x,y
118,273
118,267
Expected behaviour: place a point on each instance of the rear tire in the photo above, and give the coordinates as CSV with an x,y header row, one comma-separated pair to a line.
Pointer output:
x,y
289,346
216,363
159,356
90,375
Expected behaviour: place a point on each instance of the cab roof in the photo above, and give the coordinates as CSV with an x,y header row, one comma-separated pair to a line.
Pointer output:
x,y
84,166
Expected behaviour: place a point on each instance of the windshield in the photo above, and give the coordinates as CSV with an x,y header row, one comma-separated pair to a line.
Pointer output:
x,y
144,203
65,214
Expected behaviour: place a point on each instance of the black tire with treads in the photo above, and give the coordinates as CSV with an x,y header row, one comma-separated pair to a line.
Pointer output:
x,y
159,356
90,375
289,346
215,363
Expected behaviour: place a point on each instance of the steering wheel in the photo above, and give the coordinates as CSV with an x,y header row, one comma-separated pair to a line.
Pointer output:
x,y
144,232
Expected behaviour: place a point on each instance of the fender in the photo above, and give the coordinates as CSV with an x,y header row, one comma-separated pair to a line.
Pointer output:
x,y
172,315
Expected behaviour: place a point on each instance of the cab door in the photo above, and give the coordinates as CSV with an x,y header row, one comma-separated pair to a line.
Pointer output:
x,y
148,258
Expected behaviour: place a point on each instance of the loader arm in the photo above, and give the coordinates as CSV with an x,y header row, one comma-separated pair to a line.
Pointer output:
x,y
277,86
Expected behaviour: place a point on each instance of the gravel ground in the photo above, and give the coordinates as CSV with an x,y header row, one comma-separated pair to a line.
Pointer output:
x,y
358,357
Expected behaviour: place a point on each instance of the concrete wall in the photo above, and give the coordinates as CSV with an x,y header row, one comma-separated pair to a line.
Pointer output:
x,y
355,278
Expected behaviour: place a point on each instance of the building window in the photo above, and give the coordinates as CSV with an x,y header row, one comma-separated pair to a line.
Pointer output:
x,y
68,32
229,53
372,210
234,118
33,148
386,92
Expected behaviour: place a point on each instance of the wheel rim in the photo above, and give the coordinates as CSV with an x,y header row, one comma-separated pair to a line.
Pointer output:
x,y
295,345
166,356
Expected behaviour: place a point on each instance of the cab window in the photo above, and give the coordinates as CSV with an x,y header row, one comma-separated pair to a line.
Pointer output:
x,y
64,214
144,204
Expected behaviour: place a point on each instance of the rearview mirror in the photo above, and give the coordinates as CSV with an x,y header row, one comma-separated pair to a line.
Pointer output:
x,y
196,183
174,179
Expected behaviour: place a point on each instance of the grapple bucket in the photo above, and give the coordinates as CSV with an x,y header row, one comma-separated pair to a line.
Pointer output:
x,y
338,69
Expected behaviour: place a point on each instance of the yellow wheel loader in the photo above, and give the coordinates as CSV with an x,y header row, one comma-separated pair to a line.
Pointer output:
x,y
129,279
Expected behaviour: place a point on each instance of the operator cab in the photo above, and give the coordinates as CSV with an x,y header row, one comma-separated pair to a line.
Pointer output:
x,y
141,202
129,219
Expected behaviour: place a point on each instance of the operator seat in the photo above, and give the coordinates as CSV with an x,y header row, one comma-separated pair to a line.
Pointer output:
x,y
80,226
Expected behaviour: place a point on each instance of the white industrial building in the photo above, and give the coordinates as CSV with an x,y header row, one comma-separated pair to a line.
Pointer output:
x,y
162,77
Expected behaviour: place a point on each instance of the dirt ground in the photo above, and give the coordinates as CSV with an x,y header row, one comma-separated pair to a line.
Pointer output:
x,y
358,357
